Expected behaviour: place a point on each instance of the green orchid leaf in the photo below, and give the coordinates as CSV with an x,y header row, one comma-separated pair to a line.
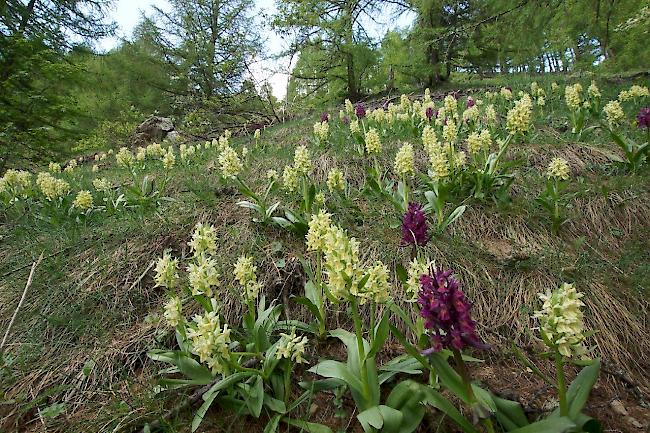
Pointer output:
x,y
580,388
274,404
435,399
448,376
548,425
381,333
200,413
192,369
309,427
272,425
338,370
509,413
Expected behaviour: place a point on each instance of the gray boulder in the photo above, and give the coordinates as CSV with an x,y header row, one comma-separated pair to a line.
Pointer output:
x,y
154,129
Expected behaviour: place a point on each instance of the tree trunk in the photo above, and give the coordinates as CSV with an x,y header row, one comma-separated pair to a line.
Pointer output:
x,y
353,86
353,90
390,85
433,57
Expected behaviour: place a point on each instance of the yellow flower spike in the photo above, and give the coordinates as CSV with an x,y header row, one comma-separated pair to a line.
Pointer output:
x,y
166,275
230,163
124,158
245,274
518,118
573,97
335,180
416,269
429,140
272,174
439,164
450,132
83,201
614,113
301,160
490,115
373,142
54,167
593,91
405,161
173,311
558,168
290,178
319,227
354,127
202,276
102,185
561,320
204,240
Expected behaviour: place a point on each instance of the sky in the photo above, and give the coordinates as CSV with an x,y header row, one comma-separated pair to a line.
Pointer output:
x,y
127,13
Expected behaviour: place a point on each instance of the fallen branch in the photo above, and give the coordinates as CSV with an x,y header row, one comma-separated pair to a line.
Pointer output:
x,y
192,399
22,299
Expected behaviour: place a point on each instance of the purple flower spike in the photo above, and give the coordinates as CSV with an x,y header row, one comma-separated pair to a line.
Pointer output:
x,y
360,111
414,226
446,312
429,113
643,118
345,120
470,102
324,117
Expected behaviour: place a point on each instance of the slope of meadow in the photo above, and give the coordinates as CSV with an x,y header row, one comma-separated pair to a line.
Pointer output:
x,y
80,340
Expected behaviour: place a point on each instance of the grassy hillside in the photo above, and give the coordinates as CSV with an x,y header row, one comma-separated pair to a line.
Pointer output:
x,y
80,340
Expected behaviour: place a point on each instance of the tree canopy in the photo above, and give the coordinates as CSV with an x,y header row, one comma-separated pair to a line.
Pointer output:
x,y
193,59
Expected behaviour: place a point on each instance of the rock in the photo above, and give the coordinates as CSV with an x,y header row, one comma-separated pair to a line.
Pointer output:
x,y
154,129
173,136
618,407
505,251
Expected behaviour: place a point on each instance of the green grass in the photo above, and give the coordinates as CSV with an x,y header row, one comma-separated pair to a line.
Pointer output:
x,y
93,299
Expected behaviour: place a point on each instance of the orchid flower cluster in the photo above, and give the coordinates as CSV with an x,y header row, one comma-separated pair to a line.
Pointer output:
x,y
635,150
582,104
562,329
553,199
210,339
346,278
52,193
253,363
446,312
206,336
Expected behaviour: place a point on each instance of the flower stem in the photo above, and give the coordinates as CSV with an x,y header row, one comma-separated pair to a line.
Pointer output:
x,y
372,323
487,422
561,384
406,193
556,209
287,381
464,374
503,149
319,281
358,328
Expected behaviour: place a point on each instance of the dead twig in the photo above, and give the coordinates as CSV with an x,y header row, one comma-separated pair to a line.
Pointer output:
x,y
22,299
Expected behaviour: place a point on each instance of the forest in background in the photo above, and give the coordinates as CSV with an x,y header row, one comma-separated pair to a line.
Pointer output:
x,y
192,61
